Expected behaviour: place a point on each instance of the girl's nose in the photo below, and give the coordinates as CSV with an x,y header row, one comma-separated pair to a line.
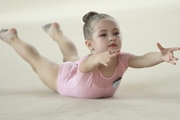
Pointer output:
x,y
112,38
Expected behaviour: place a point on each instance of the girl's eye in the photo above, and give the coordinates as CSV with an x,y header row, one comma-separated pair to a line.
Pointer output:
x,y
116,33
103,35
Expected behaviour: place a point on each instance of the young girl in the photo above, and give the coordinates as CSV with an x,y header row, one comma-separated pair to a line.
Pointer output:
x,y
96,75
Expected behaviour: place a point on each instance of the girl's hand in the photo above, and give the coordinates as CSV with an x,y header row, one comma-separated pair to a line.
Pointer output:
x,y
167,54
105,58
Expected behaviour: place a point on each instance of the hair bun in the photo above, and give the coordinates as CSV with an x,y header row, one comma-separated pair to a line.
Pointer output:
x,y
87,16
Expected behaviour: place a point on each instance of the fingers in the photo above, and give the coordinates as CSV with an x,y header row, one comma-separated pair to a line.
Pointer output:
x,y
172,62
174,48
159,46
110,54
171,49
114,53
110,51
175,59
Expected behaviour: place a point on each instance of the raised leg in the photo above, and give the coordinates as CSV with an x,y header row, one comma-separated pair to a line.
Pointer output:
x,y
46,70
66,46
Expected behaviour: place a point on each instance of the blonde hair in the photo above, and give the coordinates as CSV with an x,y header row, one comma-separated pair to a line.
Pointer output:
x,y
88,19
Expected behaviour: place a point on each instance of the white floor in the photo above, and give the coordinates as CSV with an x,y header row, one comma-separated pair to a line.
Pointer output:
x,y
144,94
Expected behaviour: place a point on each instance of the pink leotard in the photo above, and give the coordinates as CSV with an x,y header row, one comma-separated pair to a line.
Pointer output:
x,y
72,82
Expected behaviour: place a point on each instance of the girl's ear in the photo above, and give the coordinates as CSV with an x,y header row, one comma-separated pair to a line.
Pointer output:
x,y
88,44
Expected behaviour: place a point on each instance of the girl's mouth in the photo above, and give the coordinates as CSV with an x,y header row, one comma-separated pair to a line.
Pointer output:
x,y
112,45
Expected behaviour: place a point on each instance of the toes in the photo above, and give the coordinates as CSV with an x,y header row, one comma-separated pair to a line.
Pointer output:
x,y
55,24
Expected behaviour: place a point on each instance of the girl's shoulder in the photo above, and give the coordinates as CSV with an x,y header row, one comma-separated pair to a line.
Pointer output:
x,y
124,55
81,59
124,58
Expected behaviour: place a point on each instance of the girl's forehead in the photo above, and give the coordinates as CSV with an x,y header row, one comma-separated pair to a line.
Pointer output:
x,y
105,23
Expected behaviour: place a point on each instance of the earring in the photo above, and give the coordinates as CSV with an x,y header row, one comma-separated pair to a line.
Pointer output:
x,y
91,49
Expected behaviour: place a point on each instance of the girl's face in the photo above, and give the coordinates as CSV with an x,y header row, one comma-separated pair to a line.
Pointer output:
x,y
106,35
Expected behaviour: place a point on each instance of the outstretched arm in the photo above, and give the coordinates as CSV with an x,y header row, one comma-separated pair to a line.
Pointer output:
x,y
94,61
154,58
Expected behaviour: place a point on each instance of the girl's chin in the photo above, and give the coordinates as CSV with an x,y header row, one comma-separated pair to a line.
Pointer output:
x,y
95,53
115,49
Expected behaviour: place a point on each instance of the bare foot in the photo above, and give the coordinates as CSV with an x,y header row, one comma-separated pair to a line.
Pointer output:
x,y
8,34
